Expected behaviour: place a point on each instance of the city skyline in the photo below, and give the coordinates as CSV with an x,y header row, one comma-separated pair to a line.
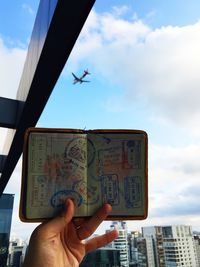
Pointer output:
x,y
144,61
160,246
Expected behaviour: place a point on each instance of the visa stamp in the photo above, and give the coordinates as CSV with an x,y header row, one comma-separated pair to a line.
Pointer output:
x,y
109,160
110,156
41,179
39,192
133,191
110,189
53,166
76,150
91,151
133,151
59,197
89,193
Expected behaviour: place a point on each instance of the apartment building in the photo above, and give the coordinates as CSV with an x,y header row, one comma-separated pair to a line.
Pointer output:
x,y
121,243
197,248
173,246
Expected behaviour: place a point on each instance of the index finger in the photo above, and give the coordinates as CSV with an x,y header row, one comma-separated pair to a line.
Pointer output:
x,y
88,227
57,224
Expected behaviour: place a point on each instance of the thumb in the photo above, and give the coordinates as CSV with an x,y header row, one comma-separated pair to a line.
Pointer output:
x,y
57,224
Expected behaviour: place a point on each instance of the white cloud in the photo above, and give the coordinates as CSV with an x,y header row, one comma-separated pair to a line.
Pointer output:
x,y
11,65
159,67
174,181
28,8
159,70
120,10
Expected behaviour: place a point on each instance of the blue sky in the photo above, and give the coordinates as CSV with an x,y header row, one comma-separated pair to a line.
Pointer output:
x,y
144,61
157,13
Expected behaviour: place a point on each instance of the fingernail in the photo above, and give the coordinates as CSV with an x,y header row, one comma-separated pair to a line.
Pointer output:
x,y
70,198
108,207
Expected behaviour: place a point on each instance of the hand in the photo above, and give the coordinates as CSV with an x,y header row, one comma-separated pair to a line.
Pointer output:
x,y
61,242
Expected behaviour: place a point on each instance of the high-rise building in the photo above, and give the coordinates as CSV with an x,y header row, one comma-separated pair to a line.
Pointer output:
x,y
17,251
6,208
132,243
150,252
16,259
173,245
155,232
197,247
121,243
141,250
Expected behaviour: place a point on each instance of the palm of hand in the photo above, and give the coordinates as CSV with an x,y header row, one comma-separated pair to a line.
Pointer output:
x,y
61,241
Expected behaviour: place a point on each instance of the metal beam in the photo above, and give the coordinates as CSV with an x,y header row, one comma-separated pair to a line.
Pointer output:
x,y
9,112
65,21
2,162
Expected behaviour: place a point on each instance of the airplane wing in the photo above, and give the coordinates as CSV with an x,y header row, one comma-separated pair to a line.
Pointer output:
x,y
84,81
75,77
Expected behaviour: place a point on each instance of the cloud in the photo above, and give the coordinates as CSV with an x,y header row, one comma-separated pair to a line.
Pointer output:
x,y
173,189
28,8
11,66
157,67
119,11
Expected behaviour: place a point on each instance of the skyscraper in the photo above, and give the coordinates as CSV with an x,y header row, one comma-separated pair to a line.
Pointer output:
x,y
173,245
6,208
197,247
121,242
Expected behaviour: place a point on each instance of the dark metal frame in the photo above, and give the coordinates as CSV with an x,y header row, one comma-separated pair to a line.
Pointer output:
x,y
57,27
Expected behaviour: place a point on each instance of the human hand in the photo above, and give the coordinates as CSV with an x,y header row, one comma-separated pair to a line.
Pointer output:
x,y
63,241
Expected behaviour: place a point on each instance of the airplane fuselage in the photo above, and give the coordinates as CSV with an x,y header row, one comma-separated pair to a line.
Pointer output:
x,y
80,80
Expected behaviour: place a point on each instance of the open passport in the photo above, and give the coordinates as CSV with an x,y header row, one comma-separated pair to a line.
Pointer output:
x,y
90,166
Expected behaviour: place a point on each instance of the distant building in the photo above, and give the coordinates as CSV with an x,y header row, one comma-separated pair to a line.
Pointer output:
x,y
16,257
173,245
133,248
104,257
6,209
197,247
142,252
17,251
138,250
155,232
150,252
132,243
121,243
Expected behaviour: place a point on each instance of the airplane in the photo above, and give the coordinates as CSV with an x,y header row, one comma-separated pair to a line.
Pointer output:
x,y
80,80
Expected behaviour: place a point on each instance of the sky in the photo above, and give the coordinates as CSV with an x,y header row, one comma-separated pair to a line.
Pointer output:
x,y
144,60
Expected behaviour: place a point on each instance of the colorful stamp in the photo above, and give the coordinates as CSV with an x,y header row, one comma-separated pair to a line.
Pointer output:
x,y
41,179
88,193
133,191
110,189
110,156
76,150
59,197
133,153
